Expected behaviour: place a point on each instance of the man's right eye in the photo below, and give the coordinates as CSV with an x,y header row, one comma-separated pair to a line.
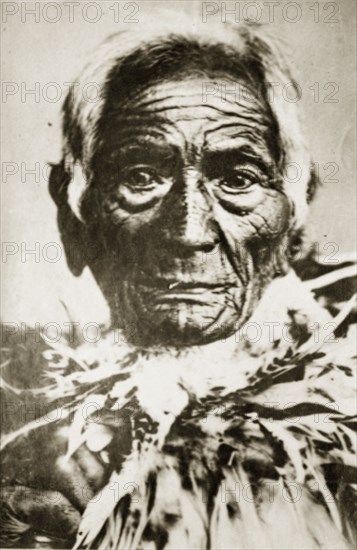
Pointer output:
x,y
141,178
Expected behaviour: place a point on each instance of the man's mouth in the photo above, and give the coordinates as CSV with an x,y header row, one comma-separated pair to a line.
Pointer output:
x,y
175,290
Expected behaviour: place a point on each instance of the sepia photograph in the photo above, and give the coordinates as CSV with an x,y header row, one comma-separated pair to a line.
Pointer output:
x,y
178,260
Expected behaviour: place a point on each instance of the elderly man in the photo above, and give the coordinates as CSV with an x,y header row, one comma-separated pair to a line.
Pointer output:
x,y
187,431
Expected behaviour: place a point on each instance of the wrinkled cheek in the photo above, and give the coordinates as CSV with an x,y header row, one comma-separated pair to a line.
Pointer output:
x,y
270,220
278,215
257,237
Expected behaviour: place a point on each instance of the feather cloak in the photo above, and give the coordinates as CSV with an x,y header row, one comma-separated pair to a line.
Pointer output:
x,y
245,443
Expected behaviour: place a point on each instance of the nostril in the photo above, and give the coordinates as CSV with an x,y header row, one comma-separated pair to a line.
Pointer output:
x,y
207,247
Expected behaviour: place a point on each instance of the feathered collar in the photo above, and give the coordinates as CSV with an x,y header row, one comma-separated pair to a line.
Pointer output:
x,y
275,401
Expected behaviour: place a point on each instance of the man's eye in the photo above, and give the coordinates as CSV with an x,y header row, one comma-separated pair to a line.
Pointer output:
x,y
141,177
239,180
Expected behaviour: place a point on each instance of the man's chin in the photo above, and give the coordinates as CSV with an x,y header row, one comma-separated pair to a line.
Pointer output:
x,y
177,324
180,315
192,335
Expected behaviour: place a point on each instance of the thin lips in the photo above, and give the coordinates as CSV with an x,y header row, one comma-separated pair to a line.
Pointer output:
x,y
175,286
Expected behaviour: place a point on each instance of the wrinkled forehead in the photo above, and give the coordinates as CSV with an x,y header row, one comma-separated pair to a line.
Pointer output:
x,y
217,96
198,112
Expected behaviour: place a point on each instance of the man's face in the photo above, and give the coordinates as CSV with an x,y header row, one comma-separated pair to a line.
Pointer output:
x,y
189,213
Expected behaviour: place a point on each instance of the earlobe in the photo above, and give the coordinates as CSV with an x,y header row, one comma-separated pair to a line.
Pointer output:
x,y
297,245
314,183
73,232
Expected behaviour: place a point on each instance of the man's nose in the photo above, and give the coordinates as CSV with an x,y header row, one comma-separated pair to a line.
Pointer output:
x,y
188,217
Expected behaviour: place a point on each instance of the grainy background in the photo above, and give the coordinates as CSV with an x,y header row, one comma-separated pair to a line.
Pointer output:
x,y
42,52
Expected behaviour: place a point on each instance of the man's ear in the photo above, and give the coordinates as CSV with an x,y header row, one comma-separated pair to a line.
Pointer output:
x,y
73,232
298,242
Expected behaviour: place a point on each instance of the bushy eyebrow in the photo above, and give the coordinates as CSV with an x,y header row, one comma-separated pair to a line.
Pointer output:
x,y
233,155
143,151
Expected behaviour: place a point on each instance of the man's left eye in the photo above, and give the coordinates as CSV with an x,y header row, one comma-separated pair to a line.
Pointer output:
x,y
235,181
